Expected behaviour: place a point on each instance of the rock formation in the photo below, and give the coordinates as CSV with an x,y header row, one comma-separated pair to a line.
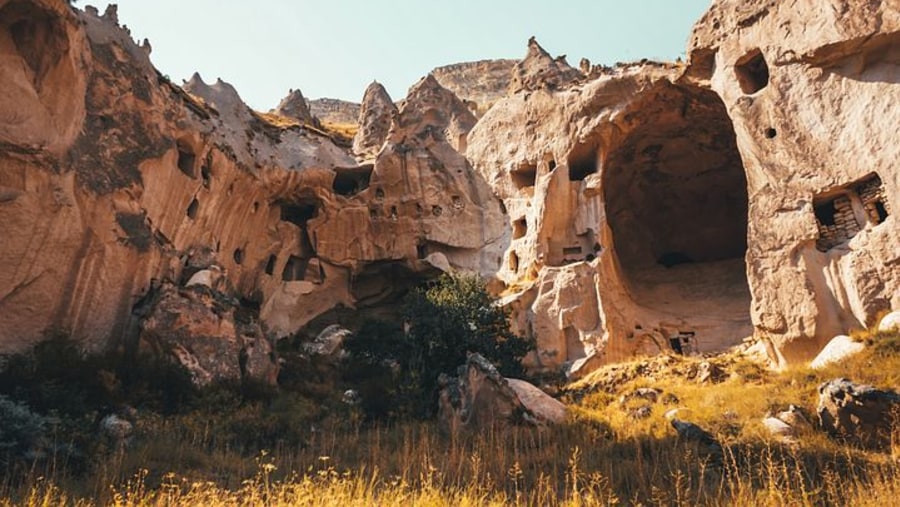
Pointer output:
x,y
199,328
540,70
294,106
334,110
859,413
116,182
646,208
375,116
479,84
479,397
747,194
839,348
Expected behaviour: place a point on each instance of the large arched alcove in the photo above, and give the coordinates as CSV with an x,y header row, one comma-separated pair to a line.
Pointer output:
x,y
676,200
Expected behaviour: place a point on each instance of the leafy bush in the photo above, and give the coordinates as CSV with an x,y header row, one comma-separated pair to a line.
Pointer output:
x,y
442,324
22,431
56,376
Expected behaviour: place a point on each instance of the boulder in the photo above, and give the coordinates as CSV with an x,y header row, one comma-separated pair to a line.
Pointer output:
x,y
707,445
858,413
328,343
710,372
479,397
890,321
197,327
779,429
839,348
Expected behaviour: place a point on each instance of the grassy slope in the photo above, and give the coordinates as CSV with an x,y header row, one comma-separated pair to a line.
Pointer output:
x,y
603,456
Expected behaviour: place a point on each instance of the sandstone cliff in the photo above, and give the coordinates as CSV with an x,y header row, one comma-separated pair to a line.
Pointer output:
x,y
113,178
334,110
480,84
746,194
749,193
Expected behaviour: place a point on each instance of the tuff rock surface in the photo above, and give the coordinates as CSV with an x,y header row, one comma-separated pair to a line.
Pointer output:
x,y
198,327
294,106
376,113
859,413
480,397
479,84
747,194
116,183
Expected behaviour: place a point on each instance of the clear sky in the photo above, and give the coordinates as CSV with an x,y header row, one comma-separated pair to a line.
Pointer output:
x,y
335,48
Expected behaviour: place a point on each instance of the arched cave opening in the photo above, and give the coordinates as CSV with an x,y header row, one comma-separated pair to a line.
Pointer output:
x,y
352,180
676,199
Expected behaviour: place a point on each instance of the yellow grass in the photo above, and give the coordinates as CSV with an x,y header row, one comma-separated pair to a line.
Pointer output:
x,y
601,457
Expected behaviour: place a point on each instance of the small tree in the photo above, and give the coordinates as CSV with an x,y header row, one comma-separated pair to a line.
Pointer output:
x,y
442,324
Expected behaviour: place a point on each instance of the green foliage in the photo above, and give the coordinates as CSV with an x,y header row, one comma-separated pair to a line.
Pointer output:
x,y
56,376
444,322
22,431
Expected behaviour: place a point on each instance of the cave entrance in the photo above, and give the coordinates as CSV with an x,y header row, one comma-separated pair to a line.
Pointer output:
x,y
676,198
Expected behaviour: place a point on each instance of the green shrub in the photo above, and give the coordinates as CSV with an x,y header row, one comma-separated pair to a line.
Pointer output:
x,y
442,323
22,431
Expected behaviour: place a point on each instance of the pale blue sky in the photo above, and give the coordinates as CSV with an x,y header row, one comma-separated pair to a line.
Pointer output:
x,y
335,48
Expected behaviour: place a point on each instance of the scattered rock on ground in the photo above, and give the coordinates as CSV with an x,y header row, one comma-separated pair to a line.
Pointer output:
x,y
480,397
890,321
329,342
708,446
839,348
858,413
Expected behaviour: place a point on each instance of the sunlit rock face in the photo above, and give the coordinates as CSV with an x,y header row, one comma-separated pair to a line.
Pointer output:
x,y
748,193
650,207
112,179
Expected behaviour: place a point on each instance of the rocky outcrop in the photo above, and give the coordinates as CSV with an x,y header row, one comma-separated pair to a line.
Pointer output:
x,y
479,397
114,180
334,111
198,327
670,207
479,84
839,348
646,208
539,70
859,413
294,106
375,116
890,322
822,243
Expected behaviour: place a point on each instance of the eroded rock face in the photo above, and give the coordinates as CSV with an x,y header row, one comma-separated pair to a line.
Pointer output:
x,y
479,84
479,397
112,177
810,93
197,327
540,70
630,210
375,116
659,207
294,106
334,110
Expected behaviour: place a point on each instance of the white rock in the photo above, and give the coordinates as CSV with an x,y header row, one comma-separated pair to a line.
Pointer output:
x,y
541,404
839,348
890,321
